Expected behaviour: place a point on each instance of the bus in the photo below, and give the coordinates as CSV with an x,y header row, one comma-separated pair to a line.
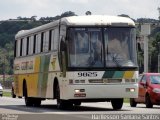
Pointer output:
x,y
77,59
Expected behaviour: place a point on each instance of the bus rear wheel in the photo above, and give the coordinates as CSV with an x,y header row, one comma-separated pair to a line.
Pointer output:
x,y
36,102
28,100
117,103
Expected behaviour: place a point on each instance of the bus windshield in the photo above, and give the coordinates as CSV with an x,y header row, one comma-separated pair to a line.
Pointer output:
x,y
101,47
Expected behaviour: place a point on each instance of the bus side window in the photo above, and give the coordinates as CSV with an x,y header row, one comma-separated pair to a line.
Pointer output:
x,y
38,43
21,47
55,41
27,50
50,40
18,48
42,42
24,47
46,41
31,41
34,44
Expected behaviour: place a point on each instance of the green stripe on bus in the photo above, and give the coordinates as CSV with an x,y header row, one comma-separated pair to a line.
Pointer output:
x,y
118,74
43,75
108,74
113,74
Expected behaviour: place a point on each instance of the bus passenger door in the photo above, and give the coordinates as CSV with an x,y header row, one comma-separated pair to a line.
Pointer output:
x,y
63,56
62,53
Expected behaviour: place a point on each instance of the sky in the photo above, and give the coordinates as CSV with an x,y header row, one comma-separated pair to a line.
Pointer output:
x,y
11,9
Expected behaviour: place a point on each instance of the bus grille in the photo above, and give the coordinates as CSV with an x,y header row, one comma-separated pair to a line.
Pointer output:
x,y
105,80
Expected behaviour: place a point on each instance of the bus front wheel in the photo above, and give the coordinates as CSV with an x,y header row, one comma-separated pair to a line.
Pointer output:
x,y
62,104
117,103
133,103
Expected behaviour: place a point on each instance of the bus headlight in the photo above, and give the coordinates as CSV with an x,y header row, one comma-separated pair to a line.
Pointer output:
x,y
130,89
77,90
79,93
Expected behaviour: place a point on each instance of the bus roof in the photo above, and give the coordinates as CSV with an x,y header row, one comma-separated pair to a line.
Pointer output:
x,y
98,20
89,20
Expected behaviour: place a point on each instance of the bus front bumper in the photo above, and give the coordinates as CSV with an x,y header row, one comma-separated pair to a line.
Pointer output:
x,y
106,91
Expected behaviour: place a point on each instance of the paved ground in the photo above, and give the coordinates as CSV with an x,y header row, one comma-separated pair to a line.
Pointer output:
x,y
87,111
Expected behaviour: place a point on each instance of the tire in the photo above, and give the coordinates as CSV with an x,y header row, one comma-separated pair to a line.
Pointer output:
x,y
28,100
148,102
36,102
117,103
133,102
62,104
77,103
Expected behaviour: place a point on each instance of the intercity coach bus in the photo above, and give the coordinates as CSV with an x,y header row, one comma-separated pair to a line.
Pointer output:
x,y
77,59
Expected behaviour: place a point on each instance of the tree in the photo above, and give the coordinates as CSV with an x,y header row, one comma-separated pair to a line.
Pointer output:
x,y
33,18
154,50
67,14
88,13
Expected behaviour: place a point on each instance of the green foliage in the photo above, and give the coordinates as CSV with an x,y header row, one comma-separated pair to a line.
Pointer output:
x,y
154,50
7,94
8,30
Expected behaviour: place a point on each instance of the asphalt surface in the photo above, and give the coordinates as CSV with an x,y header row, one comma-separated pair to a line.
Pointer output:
x,y
15,109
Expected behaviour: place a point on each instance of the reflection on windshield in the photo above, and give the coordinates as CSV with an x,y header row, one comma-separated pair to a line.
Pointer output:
x,y
86,47
119,46
155,79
